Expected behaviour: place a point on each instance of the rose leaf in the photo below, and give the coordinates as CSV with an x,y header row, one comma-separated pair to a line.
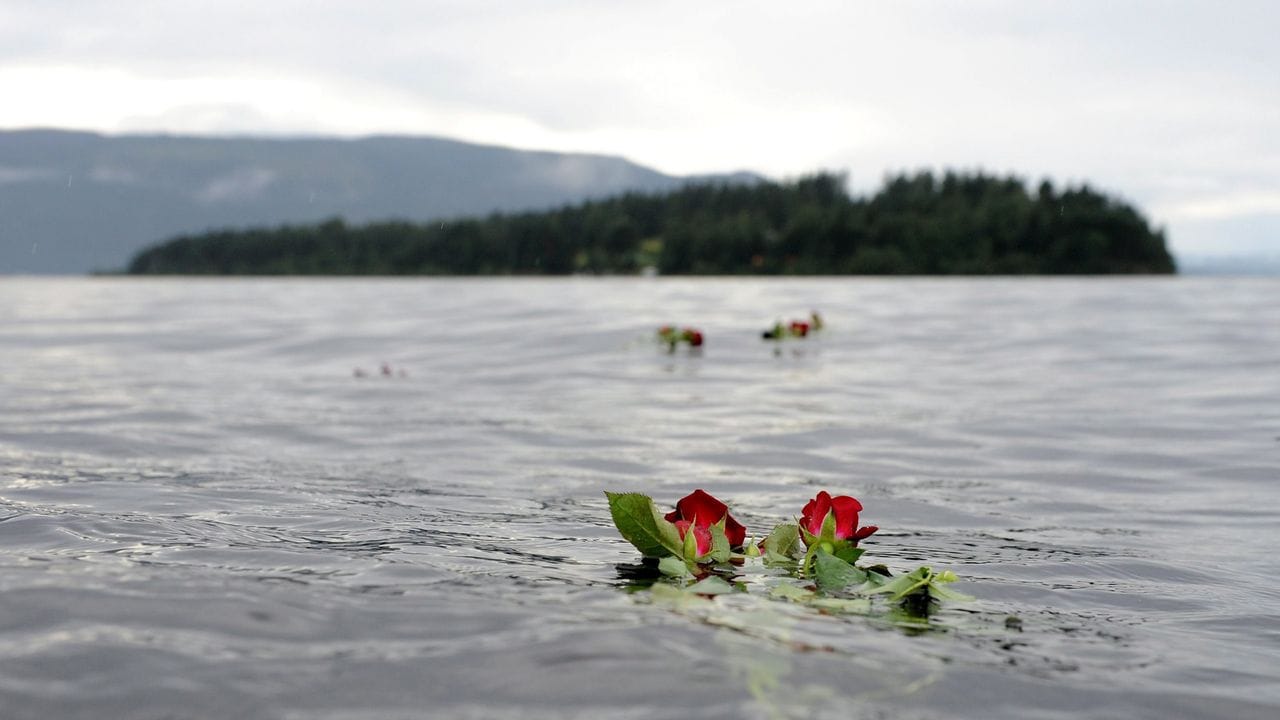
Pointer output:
x,y
859,606
904,585
711,585
720,551
791,592
782,543
673,566
640,523
848,553
831,573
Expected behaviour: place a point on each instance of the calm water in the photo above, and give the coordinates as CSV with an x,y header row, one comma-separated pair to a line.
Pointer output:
x,y
204,513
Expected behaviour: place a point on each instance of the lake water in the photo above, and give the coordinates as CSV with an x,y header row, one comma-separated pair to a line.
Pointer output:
x,y
204,513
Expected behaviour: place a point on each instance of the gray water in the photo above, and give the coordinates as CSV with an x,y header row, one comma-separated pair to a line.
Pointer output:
x,y
205,513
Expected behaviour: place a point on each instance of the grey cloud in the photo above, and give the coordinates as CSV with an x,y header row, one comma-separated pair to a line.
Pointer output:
x,y
1130,95
217,118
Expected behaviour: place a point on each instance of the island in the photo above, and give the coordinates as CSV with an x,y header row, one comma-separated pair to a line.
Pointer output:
x,y
961,223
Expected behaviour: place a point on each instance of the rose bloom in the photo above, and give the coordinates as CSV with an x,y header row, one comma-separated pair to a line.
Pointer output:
x,y
846,511
700,511
701,535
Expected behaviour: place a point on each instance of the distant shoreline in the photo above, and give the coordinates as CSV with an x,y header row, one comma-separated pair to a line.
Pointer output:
x,y
959,224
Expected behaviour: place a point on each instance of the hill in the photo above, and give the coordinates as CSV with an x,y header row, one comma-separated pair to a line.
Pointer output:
x,y
73,202
919,224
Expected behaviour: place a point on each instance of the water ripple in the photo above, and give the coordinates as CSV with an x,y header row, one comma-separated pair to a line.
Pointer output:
x,y
205,513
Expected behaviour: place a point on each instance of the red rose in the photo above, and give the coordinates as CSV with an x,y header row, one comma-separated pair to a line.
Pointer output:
x,y
845,510
701,535
700,510
693,336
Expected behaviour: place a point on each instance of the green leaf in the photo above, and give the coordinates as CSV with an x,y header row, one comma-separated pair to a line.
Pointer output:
x,y
689,550
832,573
904,585
945,593
828,533
922,581
783,543
847,552
673,566
662,592
791,592
938,587
640,523
720,551
711,585
859,606
875,579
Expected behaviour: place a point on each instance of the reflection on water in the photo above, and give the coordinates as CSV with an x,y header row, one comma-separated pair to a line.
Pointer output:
x,y
204,513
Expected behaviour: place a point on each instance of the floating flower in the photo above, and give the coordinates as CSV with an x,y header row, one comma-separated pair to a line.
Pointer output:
x,y
843,508
777,332
672,337
794,328
700,510
694,551
693,548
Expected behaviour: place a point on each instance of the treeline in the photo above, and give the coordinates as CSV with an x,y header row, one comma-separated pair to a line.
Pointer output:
x,y
916,224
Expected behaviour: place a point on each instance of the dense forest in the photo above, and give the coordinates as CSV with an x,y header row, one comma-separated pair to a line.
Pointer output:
x,y
915,224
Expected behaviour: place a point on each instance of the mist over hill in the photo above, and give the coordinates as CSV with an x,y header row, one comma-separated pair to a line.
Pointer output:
x,y
75,202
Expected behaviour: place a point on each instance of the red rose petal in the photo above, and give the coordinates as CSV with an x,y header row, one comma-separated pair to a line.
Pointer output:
x,y
846,510
701,506
815,513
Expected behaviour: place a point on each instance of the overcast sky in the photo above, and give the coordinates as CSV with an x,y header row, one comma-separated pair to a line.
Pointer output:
x,y
1170,104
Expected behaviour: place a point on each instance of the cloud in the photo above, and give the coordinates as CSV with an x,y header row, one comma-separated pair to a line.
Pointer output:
x,y
1226,206
1135,97
207,118
1248,234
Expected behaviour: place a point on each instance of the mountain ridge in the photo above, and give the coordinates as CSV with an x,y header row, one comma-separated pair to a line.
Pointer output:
x,y
78,201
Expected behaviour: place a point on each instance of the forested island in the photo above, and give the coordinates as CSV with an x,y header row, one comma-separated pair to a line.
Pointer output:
x,y
916,224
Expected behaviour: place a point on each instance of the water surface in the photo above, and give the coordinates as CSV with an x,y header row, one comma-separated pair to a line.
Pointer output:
x,y
205,513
